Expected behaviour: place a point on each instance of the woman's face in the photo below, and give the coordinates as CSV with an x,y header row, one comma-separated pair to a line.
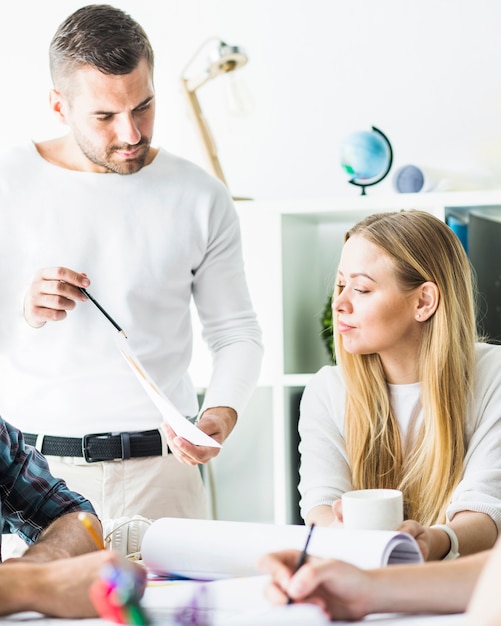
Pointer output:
x,y
373,314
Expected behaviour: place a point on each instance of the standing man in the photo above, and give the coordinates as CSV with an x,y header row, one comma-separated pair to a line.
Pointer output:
x,y
146,232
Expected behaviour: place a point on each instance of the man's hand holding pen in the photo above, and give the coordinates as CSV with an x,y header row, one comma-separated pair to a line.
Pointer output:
x,y
217,422
53,292
48,299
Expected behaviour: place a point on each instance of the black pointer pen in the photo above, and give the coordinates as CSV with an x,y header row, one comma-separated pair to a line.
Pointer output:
x,y
303,556
108,317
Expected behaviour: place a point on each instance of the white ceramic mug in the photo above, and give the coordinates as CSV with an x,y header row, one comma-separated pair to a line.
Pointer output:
x,y
373,509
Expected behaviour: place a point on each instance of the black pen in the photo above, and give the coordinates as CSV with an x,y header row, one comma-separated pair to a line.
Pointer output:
x,y
108,317
302,557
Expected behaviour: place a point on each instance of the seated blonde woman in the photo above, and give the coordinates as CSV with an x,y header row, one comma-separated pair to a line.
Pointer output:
x,y
414,400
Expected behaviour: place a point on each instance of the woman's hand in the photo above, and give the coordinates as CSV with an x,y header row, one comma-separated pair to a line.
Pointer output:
x,y
421,534
342,590
337,510
430,540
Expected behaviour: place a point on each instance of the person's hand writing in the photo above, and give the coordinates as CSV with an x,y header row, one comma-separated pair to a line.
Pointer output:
x,y
216,422
342,590
53,292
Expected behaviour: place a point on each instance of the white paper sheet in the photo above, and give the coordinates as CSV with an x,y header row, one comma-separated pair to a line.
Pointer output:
x,y
217,549
242,602
179,424
231,602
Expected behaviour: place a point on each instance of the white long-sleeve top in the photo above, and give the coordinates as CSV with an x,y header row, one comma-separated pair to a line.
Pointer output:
x,y
148,242
325,473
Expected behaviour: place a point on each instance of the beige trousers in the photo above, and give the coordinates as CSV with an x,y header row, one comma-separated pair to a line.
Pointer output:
x,y
152,487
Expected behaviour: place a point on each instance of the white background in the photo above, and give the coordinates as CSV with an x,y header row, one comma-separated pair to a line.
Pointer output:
x,y
426,72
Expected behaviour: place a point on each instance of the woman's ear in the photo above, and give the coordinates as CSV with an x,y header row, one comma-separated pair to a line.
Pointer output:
x,y
429,297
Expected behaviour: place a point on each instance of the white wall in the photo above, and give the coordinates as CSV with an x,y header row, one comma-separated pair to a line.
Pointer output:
x,y
427,72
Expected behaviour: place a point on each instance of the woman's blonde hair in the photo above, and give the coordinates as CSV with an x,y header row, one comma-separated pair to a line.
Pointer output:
x,y
422,248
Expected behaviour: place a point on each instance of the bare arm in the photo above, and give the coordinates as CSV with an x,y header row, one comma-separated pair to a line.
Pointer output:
x,y
347,592
58,588
47,580
65,537
436,587
475,532
485,604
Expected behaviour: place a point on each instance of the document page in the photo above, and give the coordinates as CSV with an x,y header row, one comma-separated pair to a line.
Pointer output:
x,y
214,549
179,424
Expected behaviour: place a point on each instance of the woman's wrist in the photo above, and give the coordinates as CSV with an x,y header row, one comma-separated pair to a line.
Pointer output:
x,y
452,541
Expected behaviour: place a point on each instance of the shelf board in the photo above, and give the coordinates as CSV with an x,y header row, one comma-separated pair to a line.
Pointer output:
x,y
374,203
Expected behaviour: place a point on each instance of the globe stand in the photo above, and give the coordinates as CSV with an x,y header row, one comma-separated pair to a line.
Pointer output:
x,y
363,185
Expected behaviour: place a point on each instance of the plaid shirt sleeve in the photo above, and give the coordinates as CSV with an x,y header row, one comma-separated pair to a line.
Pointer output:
x,y
30,497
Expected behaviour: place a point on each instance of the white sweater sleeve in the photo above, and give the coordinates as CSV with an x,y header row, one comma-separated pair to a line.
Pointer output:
x,y
229,322
480,487
324,472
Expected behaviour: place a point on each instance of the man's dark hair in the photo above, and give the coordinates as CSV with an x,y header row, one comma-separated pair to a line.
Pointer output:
x,y
101,36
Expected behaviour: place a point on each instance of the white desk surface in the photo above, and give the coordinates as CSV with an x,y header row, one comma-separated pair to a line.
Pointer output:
x,y
240,602
161,619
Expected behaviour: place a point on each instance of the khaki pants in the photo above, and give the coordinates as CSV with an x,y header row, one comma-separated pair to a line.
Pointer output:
x,y
153,487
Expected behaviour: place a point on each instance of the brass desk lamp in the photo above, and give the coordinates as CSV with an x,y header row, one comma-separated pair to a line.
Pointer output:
x,y
220,58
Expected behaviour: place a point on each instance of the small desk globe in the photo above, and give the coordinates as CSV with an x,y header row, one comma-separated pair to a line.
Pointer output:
x,y
366,156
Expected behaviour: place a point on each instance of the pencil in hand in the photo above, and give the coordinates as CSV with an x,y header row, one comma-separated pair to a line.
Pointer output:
x,y
96,538
105,313
302,557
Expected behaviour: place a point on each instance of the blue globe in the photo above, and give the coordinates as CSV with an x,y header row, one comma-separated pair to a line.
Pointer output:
x,y
366,156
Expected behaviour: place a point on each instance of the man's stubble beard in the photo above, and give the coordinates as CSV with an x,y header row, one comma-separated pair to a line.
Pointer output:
x,y
117,167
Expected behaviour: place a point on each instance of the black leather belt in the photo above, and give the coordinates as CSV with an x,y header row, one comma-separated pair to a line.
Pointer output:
x,y
102,446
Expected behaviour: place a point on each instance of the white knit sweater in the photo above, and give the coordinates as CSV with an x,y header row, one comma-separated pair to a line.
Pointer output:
x,y
325,472
148,242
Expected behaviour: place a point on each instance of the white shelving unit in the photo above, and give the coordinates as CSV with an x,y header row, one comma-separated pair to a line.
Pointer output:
x,y
291,251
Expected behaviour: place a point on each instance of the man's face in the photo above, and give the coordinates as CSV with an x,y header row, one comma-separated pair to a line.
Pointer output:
x,y
111,118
